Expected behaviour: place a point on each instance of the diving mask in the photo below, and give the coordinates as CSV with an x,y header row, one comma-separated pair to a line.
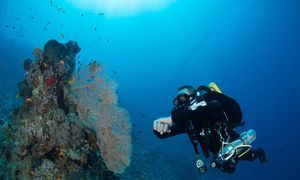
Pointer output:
x,y
184,96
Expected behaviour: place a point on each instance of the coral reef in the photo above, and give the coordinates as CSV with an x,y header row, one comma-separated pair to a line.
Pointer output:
x,y
69,125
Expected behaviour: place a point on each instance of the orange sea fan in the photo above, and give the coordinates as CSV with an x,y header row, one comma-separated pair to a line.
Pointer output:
x,y
97,101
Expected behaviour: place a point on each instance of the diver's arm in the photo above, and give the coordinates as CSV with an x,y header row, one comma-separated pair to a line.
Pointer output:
x,y
164,128
174,130
162,125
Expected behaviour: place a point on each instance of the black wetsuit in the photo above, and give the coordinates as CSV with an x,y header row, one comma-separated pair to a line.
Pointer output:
x,y
215,120
204,118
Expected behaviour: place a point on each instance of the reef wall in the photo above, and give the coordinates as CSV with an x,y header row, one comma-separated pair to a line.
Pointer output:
x,y
69,125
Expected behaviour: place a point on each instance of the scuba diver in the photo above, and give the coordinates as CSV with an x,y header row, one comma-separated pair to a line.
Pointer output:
x,y
209,117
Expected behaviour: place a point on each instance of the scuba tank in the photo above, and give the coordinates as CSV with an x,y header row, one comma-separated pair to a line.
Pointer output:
x,y
236,149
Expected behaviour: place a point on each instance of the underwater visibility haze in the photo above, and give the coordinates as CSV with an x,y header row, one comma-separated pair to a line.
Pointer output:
x,y
83,80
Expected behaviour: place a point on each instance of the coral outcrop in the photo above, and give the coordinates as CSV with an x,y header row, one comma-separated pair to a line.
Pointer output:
x,y
69,125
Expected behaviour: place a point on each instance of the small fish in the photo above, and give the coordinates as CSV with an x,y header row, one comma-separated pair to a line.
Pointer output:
x,y
17,19
45,29
7,26
17,96
101,14
32,17
28,100
62,62
51,3
115,72
70,82
95,29
63,11
82,15
143,115
13,27
49,22
139,131
62,35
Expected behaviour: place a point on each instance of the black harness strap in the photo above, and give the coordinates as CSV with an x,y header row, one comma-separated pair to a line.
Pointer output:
x,y
195,138
194,143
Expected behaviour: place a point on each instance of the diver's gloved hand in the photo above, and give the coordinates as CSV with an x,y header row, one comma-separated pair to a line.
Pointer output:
x,y
162,125
261,155
229,167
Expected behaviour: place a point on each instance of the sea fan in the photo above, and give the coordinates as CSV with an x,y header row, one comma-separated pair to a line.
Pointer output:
x,y
97,105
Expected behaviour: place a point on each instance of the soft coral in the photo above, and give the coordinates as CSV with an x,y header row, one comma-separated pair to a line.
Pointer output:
x,y
50,81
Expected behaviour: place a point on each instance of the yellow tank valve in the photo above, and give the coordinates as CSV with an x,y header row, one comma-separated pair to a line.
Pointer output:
x,y
214,87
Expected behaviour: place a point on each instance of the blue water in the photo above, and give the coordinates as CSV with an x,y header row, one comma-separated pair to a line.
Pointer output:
x,y
250,48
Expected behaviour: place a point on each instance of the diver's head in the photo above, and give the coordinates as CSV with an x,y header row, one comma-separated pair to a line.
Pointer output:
x,y
184,96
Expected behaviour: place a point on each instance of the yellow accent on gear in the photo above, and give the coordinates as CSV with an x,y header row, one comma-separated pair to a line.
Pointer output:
x,y
214,87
